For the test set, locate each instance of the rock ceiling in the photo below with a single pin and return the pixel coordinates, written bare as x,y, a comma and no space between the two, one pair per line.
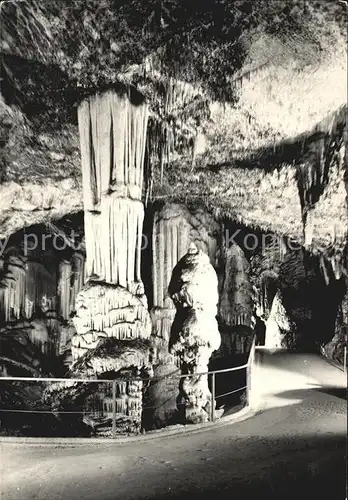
253,130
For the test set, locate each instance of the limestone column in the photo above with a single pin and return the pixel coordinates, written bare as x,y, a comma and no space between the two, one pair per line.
64,288
112,304
194,334
174,228
235,305
277,325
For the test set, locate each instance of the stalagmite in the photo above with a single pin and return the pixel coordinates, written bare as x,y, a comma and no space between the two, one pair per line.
277,324
194,334
112,304
174,227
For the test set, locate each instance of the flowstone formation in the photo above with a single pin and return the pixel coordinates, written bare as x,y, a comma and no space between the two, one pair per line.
174,228
111,309
28,317
194,334
235,305
71,279
278,324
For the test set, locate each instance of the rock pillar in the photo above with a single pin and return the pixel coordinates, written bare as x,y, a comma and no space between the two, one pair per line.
236,305
194,333
112,304
174,228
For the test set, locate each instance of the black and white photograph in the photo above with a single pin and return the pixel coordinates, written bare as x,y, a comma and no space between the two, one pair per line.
173,250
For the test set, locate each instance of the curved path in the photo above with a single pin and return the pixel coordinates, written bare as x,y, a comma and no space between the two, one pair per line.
294,448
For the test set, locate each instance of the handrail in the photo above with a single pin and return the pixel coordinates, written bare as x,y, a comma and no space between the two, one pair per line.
72,381
98,381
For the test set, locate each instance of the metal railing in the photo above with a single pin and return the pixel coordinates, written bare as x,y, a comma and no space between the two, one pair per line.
113,382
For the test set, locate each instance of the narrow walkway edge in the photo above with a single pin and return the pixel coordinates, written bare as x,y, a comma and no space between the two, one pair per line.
239,416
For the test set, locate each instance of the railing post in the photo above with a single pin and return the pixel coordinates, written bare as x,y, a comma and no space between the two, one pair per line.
248,382
345,359
213,397
114,409
249,371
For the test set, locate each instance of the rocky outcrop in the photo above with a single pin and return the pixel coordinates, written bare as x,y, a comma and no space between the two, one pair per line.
13,303
29,203
194,333
160,403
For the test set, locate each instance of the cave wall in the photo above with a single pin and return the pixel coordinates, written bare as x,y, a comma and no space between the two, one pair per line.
299,294
235,311
39,279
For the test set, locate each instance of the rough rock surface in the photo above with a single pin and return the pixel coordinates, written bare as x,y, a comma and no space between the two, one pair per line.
235,304
277,324
107,311
160,401
174,228
28,203
194,334
335,348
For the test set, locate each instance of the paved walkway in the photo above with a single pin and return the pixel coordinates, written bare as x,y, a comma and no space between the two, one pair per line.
293,449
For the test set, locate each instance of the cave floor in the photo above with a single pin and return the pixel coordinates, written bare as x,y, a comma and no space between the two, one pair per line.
294,448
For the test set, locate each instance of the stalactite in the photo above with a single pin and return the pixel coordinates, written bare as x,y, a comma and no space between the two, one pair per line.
324,270
268,289
40,285
39,335
78,265
116,260
13,287
113,134
64,288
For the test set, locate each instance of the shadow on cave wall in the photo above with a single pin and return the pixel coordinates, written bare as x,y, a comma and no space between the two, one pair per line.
312,305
